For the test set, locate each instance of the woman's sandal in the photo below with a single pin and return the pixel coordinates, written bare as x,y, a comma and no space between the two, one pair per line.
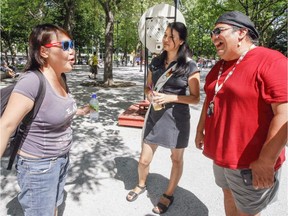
162,208
133,195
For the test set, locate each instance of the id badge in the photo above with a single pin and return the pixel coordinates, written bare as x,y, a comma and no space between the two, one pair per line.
210,109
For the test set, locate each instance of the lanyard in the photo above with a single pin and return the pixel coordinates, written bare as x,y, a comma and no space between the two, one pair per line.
217,86
210,109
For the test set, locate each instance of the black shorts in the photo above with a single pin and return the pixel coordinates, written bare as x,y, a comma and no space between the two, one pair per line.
94,69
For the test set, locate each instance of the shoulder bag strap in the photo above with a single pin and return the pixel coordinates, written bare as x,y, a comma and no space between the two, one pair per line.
159,84
164,78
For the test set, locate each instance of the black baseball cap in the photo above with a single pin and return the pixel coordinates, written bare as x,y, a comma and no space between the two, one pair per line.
239,19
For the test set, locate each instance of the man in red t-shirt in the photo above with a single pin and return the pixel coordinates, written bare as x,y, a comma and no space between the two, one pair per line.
243,116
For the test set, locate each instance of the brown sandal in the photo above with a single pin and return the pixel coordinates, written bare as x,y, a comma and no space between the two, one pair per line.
162,208
135,195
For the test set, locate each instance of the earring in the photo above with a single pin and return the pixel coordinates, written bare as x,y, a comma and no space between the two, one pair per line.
239,44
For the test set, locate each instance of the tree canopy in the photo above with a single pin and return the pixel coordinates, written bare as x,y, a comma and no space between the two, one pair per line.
110,27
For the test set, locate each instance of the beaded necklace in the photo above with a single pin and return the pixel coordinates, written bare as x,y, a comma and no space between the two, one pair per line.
210,109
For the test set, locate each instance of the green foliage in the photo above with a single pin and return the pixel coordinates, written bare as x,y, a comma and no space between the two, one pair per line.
17,20
128,15
200,17
269,16
89,27
86,20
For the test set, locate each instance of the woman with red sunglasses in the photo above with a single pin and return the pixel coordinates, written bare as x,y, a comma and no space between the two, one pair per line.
42,160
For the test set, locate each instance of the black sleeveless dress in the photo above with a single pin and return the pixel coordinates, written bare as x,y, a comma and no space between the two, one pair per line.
170,127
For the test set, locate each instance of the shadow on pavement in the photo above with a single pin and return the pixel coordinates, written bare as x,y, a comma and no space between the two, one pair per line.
99,152
185,202
14,208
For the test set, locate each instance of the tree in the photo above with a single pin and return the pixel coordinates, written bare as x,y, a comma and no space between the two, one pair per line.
109,6
200,17
17,20
88,31
126,13
269,17
83,19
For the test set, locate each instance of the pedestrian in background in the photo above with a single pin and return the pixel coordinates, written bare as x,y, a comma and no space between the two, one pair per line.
168,121
43,157
244,110
93,66
9,72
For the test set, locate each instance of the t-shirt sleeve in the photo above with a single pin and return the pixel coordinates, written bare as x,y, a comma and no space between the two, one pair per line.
192,68
155,63
273,81
28,85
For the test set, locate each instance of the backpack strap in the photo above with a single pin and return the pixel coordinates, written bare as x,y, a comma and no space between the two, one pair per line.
63,75
38,99
15,143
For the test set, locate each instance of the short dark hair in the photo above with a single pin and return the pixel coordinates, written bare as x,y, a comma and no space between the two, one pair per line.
41,35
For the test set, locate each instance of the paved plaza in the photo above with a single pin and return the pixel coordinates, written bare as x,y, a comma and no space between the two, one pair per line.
104,161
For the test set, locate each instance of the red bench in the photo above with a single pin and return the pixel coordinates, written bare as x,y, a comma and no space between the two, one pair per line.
134,115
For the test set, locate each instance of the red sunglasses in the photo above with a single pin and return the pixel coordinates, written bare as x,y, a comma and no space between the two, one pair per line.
65,45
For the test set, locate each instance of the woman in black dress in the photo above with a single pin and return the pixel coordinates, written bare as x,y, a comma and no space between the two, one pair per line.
168,127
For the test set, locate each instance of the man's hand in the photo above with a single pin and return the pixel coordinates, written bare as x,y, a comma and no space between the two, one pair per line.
262,173
199,140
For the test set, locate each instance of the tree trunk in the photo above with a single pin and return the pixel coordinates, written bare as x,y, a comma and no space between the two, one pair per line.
108,64
12,52
108,61
69,23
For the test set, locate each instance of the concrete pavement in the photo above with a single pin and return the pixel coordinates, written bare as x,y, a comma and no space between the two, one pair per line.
104,162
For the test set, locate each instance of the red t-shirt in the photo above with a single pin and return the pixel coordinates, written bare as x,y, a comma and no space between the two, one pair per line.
236,132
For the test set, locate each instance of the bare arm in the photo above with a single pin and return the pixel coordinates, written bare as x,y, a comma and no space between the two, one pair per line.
83,110
263,167
199,139
149,84
18,106
193,98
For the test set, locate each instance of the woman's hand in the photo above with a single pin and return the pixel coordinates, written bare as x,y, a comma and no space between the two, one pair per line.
150,96
84,110
161,98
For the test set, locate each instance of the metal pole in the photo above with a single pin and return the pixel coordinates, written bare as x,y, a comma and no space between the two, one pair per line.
117,48
176,6
146,58
141,46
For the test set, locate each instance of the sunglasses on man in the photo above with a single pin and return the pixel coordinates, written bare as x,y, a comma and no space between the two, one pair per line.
65,45
217,31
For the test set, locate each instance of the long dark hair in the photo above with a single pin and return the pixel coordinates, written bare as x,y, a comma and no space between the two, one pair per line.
41,35
183,52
